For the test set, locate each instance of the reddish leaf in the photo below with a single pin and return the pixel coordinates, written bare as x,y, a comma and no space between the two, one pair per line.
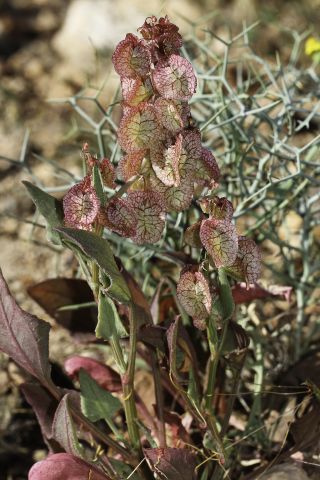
120,217
168,114
105,376
131,58
55,293
218,208
174,78
207,172
172,463
220,239
43,404
81,205
138,128
63,428
247,265
135,91
150,216
108,173
63,466
130,165
242,293
193,293
23,337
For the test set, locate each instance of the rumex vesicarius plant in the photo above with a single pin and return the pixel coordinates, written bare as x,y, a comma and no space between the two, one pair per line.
163,170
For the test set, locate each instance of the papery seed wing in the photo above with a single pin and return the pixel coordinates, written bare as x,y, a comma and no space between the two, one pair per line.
193,293
168,115
219,237
192,235
175,198
108,173
138,128
80,205
191,152
219,208
174,78
247,265
130,165
135,91
207,170
150,216
165,162
131,58
119,216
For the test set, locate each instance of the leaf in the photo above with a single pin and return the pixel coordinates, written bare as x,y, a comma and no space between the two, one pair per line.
138,128
219,237
43,404
81,205
124,470
131,58
109,324
168,114
24,337
194,295
63,428
96,402
49,207
135,91
242,293
247,265
54,293
99,250
119,216
105,376
174,78
63,466
235,345
172,463
150,216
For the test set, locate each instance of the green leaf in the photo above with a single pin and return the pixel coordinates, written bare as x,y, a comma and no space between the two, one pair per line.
50,208
99,250
98,184
123,470
63,428
109,323
96,402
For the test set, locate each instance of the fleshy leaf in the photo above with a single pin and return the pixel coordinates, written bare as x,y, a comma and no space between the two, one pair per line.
150,215
207,171
193,293
104,375
119,216
135,90
63,428
172,463
96,402
100,251
49,207
23,337
168,115
108,173
109,324
218,208
129,165
138,128
174,78
247,265
65,466
219,237
131,58
81,205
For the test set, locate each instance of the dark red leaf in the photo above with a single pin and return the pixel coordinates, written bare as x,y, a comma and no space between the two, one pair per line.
24,337
105,376
242,293
172,463
63,466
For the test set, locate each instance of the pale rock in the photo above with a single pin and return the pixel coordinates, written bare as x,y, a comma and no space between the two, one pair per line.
100,25
285,471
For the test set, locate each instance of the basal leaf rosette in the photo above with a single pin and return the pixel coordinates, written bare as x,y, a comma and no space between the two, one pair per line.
149,214
174,78
219,208
132,58
138,128
81,205
119,216
247,265
220,239
193,293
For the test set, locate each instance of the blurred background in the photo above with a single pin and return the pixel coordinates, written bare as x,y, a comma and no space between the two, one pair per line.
49,51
